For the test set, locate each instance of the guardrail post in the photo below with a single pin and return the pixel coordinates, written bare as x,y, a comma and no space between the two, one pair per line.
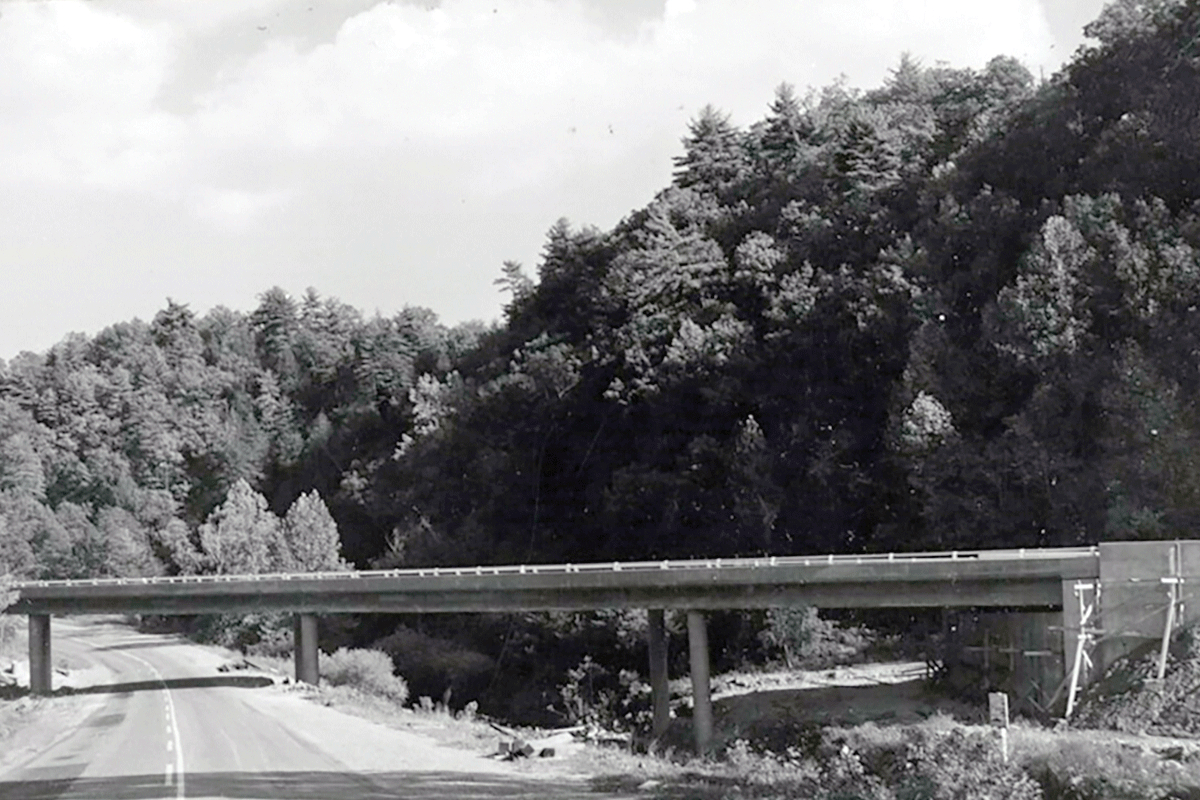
304,649
701,694
659,692
41,670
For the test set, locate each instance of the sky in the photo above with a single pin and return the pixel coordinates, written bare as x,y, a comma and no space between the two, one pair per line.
391,153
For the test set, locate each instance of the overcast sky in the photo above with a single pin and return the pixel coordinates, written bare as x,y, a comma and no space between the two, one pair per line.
390,154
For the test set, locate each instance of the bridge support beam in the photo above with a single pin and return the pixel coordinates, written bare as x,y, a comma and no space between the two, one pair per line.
41,669
659,692
304,649
702,718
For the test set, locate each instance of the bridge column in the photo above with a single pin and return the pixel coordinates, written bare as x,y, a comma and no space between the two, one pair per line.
659,692
701,694
304,649
41,670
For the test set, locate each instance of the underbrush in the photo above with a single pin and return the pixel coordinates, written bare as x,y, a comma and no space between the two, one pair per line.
14,642
436,667
936,760
370,671
1098,765
884,764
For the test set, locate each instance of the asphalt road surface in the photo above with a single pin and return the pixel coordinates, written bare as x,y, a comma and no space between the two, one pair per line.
168,725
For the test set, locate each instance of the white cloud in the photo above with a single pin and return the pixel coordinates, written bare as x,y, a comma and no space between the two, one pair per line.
78,90
357,152
524,89
237,209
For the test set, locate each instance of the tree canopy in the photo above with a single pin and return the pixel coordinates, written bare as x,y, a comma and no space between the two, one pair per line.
956,310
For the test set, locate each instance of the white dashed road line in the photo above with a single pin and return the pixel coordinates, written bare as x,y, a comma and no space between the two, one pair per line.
173,771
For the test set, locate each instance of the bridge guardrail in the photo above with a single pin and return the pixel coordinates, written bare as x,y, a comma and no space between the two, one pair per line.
759,562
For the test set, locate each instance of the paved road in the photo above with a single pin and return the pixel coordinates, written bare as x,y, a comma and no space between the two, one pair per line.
170,726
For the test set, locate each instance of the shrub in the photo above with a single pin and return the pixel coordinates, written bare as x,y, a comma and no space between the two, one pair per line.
1098,770
435,666
241,632
369,671
946,766
883,764
594,695
808,640
273,642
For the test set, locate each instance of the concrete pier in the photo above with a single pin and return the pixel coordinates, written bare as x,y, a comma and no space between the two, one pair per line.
702,717
660,693
304,649
41,668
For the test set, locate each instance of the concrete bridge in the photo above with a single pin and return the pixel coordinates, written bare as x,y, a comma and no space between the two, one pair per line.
1047,580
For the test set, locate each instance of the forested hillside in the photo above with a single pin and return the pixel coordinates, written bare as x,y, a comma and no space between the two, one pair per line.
959,310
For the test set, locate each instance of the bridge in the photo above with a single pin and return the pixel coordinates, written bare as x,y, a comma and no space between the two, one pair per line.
1050,579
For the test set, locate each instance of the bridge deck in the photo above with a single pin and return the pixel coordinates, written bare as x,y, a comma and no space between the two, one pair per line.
999,578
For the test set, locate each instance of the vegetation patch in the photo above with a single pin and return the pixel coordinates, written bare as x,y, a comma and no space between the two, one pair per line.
369,671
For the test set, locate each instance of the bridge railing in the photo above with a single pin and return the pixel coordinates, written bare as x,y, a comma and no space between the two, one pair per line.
759,562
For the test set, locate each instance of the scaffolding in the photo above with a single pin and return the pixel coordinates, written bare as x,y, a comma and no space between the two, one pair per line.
1098,611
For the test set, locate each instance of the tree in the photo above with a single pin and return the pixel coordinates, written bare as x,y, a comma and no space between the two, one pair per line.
243,537
20,468
714,157
127,546
785,131
8,596
276,323
16,556
312,535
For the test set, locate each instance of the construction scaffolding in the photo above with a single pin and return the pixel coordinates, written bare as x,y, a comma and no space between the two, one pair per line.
1044,660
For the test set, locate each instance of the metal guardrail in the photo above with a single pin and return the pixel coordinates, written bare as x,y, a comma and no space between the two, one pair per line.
762,562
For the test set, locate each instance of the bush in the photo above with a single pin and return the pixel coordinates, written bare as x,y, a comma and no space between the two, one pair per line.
243,632
809,641
273,642
594,695
369,671
434,666
1098,770
946,766
914,764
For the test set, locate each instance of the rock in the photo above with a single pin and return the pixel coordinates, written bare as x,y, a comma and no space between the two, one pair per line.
514,749
1171,752
649,786
546,752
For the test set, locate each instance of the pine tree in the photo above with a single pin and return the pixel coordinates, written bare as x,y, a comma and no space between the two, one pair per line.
713,154
312,535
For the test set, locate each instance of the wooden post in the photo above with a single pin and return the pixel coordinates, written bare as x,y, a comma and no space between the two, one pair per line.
701,693
304,649
659,691
1082,661
41,670
1172,581
998,716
